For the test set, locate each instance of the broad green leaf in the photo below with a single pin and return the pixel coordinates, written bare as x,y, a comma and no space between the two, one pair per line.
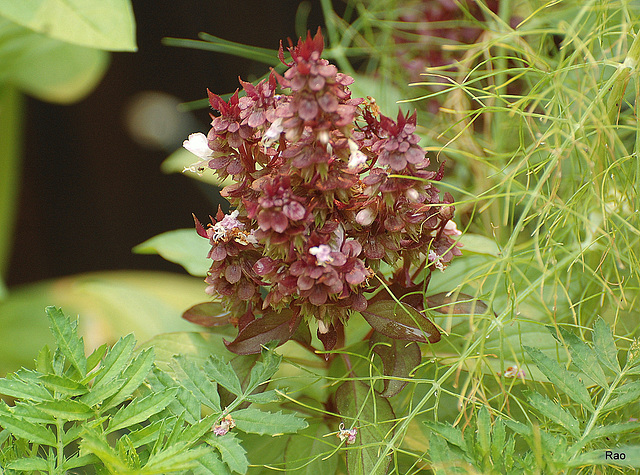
307,450
222,373
63,385
233,454
29,464
67,410
263,422
271,326
399,358
400,321
200,386
208,314
110,304
479,244
26,57
102,24
181,159
33,433
19,389
141,409
210,464
606,349
554,412
177,457
442,458
561,378
451,434
66,335
134,375
583,357
183,247
611,457
629,393
372,416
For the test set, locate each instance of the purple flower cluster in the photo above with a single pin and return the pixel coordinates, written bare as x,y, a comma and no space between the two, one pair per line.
325,190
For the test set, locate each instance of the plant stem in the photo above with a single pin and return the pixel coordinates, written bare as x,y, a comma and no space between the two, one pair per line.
11,120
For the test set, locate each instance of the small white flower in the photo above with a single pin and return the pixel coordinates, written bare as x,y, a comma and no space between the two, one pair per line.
198,145
357,158
450,229
514,372
322,328
436,259
273,133
224,228
349,434
322,253
366,216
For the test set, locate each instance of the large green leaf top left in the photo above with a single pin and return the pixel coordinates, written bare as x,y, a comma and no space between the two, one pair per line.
101,24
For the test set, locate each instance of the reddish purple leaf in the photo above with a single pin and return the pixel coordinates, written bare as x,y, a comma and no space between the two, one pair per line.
398,360
208,314
272,326
402,322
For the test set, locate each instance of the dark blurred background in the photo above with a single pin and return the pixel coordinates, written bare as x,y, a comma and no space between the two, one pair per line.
90,191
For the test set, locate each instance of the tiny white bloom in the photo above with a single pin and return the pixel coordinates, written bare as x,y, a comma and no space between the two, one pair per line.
322,328
198,145
450,229
224,228
322,253
273,133
435,258
356,158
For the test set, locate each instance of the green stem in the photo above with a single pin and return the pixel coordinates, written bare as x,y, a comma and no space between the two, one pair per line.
11,121
60,445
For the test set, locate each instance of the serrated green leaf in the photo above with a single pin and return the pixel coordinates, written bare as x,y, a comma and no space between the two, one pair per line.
43,361
102,392
605,346
614,429
233,454
95,443
63,385
210,464
222,373
34,433
146,435
263,370
27,411
134,375
195,381
79,461
561,378
307,451
19,389
263,422
554,412
197,430
184,401
263,398
96,356
116,360
498,438
440,454
104,24
29,464
67,410
451,434
140,409
583,357
67,339
174,458
372,416
484,431
627,394
183,247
